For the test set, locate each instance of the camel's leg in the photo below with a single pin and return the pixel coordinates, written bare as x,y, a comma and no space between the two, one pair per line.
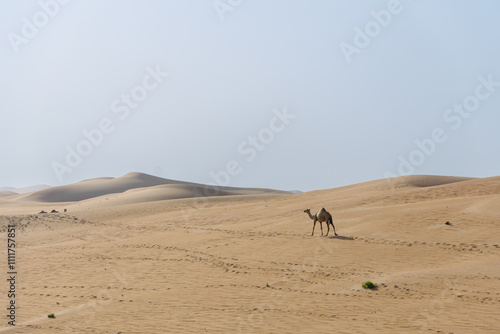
321,225
314,225
331,222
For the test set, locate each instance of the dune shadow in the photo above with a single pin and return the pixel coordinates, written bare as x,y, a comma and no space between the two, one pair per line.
341,237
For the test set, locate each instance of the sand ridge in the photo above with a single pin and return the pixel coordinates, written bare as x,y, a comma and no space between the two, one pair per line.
426,180
163,189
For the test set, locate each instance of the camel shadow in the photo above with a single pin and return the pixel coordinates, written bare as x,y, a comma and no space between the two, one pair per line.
341,237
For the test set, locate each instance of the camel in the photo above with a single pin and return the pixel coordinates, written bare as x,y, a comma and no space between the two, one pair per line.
321,216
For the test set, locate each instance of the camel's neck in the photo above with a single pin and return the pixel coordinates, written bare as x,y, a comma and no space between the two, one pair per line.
311,216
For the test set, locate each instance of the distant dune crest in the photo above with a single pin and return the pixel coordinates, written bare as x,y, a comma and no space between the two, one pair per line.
24,190
421,181
6,193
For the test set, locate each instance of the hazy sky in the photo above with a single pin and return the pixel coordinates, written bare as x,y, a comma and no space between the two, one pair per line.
263,93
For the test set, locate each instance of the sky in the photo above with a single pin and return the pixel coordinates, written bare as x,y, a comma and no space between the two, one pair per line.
291,95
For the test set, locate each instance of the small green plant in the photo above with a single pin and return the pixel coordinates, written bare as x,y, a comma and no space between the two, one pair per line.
51,315
267,285
369,285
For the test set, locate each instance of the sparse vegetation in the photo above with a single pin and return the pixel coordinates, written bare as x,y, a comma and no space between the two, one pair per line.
51,315
267,285
369,285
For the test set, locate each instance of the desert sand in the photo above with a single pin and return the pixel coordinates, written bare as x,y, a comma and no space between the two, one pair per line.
140,254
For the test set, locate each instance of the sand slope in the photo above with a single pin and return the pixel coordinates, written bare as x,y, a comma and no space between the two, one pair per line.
170,192
248,263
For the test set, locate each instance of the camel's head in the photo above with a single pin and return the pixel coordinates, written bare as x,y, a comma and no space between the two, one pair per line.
307,211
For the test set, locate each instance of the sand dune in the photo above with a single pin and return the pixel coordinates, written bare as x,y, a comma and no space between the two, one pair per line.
25,190
141,262
98,187
7,193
